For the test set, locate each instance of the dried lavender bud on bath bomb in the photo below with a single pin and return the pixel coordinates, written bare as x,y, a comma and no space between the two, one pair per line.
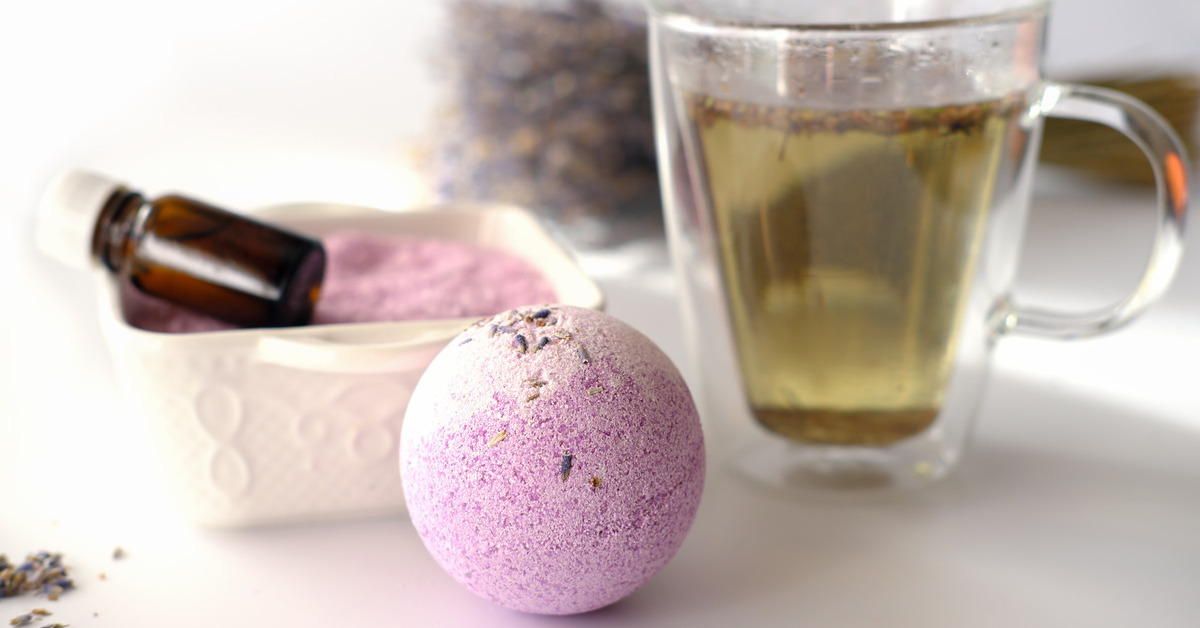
552,477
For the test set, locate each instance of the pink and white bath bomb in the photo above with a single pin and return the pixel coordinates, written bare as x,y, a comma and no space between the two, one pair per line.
552,459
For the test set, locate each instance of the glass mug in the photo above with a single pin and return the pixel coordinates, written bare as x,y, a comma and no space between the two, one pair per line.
845,188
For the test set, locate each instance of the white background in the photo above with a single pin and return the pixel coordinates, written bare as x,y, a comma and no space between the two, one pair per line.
1080,504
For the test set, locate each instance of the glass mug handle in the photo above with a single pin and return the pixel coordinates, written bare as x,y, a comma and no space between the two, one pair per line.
1151,133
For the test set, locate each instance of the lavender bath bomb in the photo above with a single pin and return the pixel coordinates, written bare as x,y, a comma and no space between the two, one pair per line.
552,459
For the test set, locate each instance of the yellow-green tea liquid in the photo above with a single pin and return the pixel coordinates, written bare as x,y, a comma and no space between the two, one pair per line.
848,240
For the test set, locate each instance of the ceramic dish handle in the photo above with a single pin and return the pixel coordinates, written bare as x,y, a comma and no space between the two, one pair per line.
334,356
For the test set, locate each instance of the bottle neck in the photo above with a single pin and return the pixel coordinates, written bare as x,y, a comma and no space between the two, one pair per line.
112,240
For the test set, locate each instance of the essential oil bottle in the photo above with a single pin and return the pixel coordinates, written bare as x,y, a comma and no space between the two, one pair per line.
207,259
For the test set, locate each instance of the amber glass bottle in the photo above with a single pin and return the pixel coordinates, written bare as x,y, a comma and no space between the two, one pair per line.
190,253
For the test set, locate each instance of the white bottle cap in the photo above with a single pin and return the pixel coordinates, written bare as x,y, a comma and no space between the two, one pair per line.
66,218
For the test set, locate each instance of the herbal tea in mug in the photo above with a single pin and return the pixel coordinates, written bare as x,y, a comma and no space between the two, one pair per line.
848,238
845,205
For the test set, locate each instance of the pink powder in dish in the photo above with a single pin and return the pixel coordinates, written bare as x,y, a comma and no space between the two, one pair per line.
374,278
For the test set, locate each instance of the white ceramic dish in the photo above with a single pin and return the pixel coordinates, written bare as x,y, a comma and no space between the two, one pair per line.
257,426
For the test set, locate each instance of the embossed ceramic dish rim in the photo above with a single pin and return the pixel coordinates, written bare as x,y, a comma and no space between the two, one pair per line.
380,346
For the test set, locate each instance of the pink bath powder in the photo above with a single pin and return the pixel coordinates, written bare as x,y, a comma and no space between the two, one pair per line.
370,278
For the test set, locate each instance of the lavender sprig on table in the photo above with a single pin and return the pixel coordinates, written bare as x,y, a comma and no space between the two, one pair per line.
41,572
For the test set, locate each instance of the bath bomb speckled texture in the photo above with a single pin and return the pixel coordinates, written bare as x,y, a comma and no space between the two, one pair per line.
552,459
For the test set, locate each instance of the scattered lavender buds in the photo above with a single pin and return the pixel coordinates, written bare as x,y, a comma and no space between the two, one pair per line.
518,321
42,572
528,321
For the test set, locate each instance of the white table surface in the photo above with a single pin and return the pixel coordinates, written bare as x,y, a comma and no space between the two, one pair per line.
1079,504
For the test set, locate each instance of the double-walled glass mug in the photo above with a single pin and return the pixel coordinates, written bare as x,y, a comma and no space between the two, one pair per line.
845,188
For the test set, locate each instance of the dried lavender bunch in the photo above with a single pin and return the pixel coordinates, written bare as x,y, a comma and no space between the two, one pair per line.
41,572
552,109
